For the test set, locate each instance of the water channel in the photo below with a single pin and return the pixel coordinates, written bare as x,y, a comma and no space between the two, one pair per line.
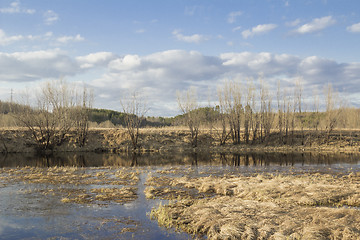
26,212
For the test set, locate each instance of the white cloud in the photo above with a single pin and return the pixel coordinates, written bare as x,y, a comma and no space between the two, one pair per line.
48,36
233,16
31,66
195,38
294,23
95,59
259,29
50,17
236,28
126,63
316,25
16,8
66,39
6,40
160,74
355,28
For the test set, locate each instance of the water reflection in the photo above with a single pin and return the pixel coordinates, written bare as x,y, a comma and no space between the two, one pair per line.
195,159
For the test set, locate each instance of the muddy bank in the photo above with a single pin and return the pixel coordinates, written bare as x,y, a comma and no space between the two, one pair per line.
178,140
259,206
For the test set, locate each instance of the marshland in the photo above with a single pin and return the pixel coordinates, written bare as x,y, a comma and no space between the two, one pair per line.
242,169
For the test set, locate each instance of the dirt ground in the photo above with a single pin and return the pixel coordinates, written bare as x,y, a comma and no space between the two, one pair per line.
259,206
178,140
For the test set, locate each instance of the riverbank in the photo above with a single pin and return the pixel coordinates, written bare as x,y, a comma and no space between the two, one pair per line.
178,140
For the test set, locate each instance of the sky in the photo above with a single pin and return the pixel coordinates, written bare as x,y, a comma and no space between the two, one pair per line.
159,47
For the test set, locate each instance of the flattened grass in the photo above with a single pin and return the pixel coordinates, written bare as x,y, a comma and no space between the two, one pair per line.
267,206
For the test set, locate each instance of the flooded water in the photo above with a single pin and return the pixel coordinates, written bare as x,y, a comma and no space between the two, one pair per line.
64,196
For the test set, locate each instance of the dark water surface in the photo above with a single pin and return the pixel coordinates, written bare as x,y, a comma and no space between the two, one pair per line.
26,213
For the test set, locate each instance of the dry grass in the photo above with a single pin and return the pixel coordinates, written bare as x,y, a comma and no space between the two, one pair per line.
74,185
165,188
265,206
306,189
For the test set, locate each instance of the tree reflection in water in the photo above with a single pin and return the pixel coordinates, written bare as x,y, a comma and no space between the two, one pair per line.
193,159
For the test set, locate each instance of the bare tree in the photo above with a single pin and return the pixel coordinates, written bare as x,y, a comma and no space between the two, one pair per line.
134,109
49,121
280,106
222,108
248,112
298,103
331,112
287,114
265,112
236,112
256,120
80,115
188,105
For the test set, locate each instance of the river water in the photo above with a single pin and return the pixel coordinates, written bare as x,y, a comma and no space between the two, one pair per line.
27,213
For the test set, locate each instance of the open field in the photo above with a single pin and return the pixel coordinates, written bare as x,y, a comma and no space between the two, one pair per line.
178,139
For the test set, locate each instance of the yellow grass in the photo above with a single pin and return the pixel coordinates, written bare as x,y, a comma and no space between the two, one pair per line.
73,185
266,206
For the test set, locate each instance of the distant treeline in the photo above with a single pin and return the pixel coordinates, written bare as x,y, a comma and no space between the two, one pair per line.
116,118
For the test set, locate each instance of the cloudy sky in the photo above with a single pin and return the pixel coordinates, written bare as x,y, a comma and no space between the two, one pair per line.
161,46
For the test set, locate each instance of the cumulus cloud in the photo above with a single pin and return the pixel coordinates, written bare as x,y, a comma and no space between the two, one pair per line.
355,28
257,30
95,59
66,39
195,38
233,16
50,17
316,25
15,7
159,75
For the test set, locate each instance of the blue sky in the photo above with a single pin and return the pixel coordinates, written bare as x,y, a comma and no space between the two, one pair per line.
159,47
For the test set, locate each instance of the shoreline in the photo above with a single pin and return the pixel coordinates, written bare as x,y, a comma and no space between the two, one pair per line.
167,140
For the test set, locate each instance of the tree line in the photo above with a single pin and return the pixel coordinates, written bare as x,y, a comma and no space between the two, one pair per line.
241,114
249,115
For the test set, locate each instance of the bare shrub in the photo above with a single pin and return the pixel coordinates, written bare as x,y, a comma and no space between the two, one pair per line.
54,114
135,109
